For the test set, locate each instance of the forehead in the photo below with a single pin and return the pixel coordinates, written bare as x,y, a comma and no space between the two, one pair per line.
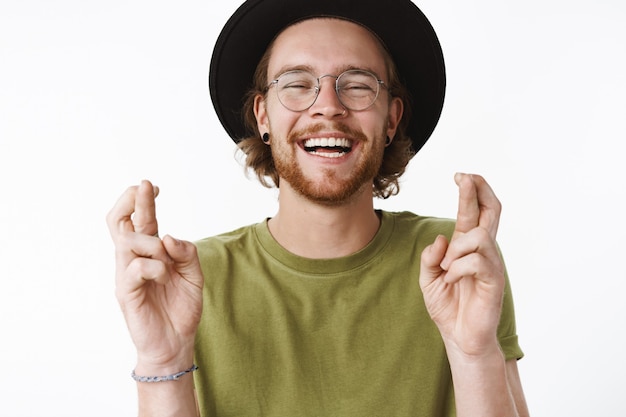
327,45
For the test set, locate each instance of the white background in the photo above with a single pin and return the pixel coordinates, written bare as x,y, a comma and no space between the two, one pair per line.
95,96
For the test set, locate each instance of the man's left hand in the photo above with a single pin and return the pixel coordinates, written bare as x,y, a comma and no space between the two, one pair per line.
463,280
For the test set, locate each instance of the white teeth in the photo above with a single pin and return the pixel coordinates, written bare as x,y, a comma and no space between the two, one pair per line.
328,154
327,143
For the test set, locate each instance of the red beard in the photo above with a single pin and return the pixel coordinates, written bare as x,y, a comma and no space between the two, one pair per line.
332,190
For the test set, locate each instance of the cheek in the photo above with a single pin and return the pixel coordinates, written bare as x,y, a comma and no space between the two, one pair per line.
374,124
280,119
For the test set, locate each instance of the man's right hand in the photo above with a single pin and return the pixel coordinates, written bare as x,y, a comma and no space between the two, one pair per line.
158,284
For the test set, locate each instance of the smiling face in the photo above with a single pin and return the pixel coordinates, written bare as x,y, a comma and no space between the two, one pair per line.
327,153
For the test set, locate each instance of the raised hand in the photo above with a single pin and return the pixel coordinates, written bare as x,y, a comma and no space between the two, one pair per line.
463,280
158,284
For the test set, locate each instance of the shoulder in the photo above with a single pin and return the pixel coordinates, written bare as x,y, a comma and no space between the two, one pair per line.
237,239
411,233
406,222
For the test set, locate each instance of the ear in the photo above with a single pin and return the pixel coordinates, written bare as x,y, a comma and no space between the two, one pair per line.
260,113
396,109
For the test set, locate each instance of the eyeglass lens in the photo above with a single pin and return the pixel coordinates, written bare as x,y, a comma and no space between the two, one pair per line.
356,89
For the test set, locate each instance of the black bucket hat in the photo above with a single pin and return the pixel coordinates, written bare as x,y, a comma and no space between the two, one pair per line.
400,25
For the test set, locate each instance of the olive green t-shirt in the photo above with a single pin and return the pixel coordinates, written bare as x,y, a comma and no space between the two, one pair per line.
282,335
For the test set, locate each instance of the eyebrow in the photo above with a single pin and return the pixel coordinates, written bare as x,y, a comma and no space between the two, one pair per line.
288,68
309,69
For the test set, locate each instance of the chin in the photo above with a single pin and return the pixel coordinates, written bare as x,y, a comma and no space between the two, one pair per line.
333,192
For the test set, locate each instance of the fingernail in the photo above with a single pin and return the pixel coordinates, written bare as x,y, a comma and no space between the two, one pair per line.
445,264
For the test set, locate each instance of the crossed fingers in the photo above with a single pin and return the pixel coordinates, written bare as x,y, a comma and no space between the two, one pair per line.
478,205
133,226
472,251
135,211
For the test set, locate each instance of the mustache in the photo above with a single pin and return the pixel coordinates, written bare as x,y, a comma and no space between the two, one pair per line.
351,133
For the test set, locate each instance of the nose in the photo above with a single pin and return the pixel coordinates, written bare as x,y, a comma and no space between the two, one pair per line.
327,102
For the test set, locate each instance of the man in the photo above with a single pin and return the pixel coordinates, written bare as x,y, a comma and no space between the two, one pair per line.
328,308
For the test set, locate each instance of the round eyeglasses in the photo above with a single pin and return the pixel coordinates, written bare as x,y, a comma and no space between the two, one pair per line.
356,89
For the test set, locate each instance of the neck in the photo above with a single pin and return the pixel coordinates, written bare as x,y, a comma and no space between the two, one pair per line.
318,231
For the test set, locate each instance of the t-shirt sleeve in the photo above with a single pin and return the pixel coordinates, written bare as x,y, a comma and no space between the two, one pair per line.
507,331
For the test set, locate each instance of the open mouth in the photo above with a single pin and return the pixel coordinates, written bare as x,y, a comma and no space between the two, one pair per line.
328,147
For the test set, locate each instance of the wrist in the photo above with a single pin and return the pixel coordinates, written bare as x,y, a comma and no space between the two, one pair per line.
474,354
163,378
164,365
480,382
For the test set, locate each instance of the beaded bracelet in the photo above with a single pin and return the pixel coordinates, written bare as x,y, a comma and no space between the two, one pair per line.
173,377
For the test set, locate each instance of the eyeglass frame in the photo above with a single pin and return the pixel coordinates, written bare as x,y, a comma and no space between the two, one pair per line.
318,87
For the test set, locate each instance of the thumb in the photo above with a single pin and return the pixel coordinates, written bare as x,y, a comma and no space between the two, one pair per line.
185,257
430,267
